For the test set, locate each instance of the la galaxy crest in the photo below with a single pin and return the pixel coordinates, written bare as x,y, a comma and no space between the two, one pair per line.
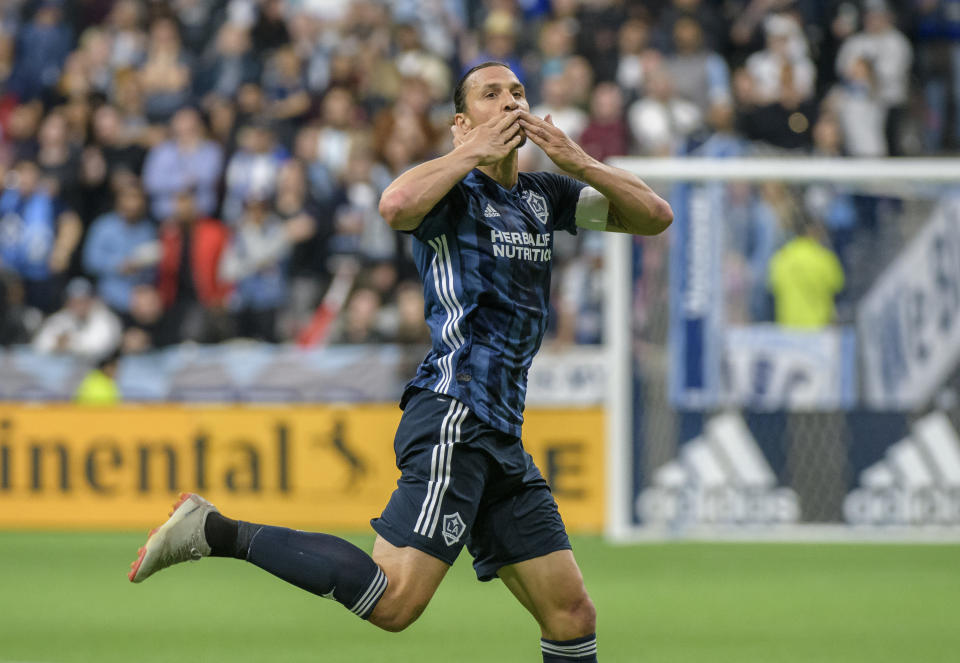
453,528
537,205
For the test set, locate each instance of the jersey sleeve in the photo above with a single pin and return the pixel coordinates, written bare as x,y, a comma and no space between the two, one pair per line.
443,216
564,192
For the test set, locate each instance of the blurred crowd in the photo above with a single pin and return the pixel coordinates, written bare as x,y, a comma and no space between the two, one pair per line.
200,170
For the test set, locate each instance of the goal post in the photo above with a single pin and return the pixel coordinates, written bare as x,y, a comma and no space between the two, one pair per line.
741,429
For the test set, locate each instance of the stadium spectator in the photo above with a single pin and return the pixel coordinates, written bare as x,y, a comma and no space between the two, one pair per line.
193,295
833,205
128,98
59,160
253,167
580,80
120,249
18,322
774,90
338,129
579,310
187,159
20,132
938,64
270,30
129,41
859,110
606,133
661,121
556,44
704,14
636,57
307,269
597,36
43,44
699,75
359,323
723,140
321,181
230,64
84,327
409,327
144,324
255,261
197,20
889,54
499,37
37,236
409,121
8,47
95,50
782,73
360,230
120,153
166,74
285,91
414,61
99,385
805,277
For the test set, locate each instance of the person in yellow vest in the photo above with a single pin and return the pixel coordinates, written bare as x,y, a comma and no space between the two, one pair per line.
99,387
805,276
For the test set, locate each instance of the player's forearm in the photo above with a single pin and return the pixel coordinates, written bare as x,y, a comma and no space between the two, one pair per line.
634,207
412,195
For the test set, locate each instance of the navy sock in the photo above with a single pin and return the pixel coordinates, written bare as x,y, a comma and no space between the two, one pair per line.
325,565
579,649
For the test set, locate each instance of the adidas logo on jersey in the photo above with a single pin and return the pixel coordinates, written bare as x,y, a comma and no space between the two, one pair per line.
917,482
720,477
490,212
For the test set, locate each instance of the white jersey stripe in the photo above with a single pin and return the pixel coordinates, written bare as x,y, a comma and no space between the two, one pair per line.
434,467
443,473
453,290
430,485
462,414
436,279
438,266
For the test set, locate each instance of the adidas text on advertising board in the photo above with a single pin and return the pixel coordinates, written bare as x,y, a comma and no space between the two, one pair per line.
719,478
917,482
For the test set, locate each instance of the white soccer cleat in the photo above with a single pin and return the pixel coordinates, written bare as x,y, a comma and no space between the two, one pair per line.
180,539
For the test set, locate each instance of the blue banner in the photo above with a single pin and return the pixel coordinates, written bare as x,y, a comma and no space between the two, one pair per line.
696,295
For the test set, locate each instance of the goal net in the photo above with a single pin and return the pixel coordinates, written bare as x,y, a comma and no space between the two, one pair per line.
740,406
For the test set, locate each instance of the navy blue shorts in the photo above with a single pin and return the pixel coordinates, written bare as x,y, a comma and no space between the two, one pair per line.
462,482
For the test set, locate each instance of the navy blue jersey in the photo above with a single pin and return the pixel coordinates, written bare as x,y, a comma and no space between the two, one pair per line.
485,253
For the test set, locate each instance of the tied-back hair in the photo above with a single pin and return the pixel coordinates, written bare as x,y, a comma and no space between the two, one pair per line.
460,92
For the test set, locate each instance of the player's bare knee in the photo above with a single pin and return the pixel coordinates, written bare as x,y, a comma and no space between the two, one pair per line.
584,615
396,616
573,618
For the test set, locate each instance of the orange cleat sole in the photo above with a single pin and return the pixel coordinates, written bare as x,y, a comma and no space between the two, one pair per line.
135,565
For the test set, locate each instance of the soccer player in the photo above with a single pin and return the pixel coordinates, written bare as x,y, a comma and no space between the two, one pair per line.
483,241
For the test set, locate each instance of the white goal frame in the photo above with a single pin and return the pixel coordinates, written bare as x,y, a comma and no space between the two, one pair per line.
887,173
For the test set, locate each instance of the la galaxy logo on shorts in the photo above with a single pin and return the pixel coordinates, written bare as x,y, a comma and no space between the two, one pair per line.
537,204
453,528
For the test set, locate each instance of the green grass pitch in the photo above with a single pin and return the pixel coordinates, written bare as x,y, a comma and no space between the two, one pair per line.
65,598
